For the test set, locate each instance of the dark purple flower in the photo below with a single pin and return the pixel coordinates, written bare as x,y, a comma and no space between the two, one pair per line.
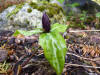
46,23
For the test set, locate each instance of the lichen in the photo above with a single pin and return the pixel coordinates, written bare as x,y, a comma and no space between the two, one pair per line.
17,9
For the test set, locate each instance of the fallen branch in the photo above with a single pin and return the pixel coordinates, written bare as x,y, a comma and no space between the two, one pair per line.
75,31
77,65
83,58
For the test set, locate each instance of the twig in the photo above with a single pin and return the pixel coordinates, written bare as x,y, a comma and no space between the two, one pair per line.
77,65
89,59
26,62
84,31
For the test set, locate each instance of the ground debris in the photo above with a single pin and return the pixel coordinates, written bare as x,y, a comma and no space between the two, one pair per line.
82,57
3,54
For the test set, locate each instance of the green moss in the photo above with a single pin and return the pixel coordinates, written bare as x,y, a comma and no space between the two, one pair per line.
29,10
45,2
41,8
51,9
49,14
11,18
17,9
27,22
33,4
54,5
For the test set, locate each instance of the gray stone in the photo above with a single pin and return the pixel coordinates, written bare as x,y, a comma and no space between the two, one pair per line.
20,19
25,20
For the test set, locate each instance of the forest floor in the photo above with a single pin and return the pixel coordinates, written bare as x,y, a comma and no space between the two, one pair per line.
23,56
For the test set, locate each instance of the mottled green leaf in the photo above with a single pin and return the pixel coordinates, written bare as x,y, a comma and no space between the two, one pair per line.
54,49
58,27
27,33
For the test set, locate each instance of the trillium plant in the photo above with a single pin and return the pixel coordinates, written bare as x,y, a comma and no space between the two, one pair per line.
51,41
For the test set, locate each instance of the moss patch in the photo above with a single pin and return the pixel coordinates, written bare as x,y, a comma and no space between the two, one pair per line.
17,9
54,11
29,10
33,4
51,9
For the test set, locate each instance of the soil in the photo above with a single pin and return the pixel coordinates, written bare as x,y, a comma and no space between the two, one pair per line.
26,56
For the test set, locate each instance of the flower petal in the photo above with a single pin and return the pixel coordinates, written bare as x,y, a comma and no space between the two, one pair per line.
46,22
